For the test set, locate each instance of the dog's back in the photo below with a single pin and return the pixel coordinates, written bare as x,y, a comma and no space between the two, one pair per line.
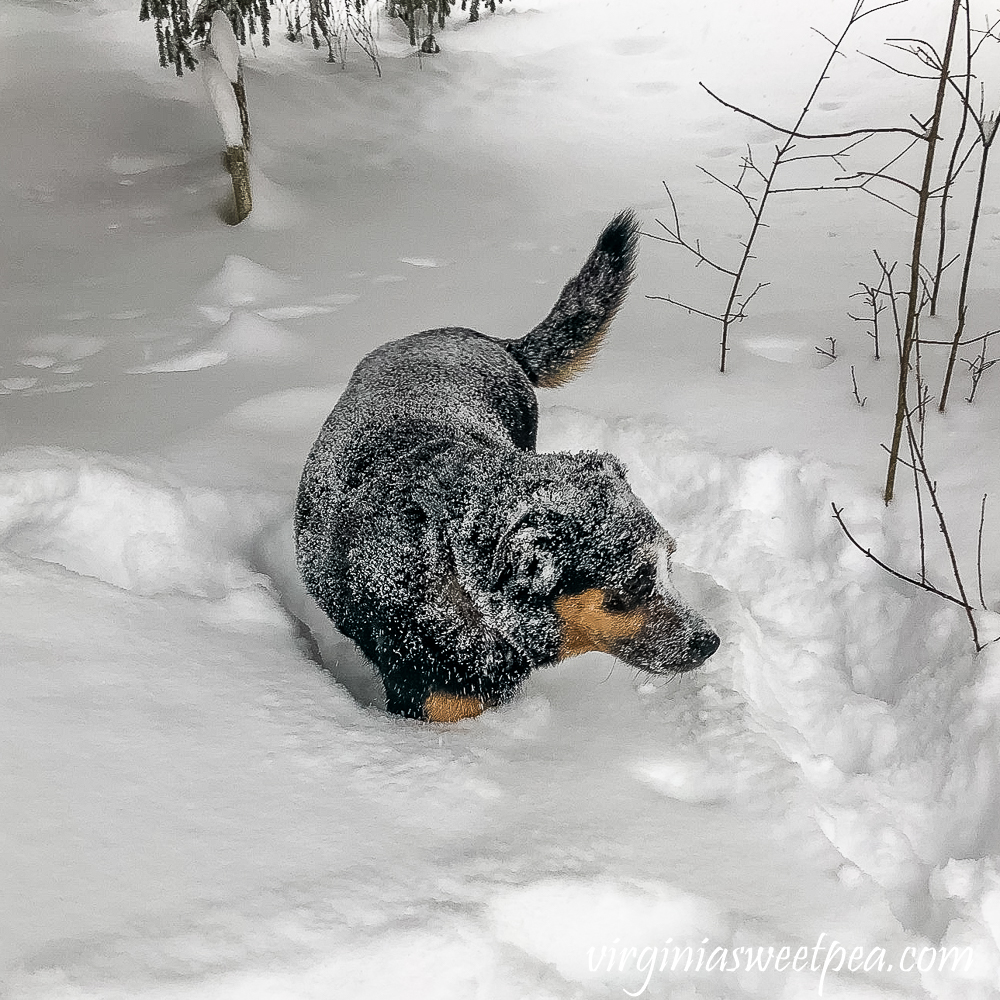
462,383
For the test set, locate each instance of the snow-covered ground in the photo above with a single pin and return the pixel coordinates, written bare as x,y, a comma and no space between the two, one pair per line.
192,807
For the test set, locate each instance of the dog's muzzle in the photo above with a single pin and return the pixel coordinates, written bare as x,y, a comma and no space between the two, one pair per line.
661,636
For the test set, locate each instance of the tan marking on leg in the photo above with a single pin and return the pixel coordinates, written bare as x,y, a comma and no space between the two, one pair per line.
587,626
443,707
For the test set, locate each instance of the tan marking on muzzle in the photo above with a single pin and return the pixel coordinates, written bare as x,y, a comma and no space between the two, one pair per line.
588,627
443,707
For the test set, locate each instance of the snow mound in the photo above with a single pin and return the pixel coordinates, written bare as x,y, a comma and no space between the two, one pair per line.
867,684
242,282
121,523
250,337
275,208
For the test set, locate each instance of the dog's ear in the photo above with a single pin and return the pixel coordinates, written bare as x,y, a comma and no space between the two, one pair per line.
526,555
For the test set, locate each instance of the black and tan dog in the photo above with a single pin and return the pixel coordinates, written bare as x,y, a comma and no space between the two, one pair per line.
456,557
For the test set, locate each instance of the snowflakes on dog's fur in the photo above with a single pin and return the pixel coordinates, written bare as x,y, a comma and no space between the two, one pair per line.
434,536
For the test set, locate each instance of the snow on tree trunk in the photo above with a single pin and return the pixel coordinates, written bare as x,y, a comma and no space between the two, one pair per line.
220,90
227,51
225,46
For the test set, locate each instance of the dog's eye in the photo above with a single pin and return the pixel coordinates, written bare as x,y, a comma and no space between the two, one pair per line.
633,594
618,603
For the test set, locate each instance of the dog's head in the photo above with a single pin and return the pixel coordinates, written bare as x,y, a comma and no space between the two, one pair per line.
581,544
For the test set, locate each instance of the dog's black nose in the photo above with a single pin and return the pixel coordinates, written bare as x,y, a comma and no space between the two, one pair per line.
703,645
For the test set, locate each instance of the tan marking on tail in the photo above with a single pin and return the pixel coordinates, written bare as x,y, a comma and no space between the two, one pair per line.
580,362
588,627
443,707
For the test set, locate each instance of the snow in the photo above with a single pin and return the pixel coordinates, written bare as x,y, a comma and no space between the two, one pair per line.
225,46
220,92
199,796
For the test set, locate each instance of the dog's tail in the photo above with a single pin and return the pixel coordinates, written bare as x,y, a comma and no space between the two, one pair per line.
565,342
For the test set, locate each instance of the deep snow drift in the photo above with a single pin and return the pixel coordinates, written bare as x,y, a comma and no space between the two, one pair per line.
192,806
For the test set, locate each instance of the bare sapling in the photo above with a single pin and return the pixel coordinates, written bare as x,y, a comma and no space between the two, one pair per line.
738,296
828,352
979,365
925,487
987,128
955,164
857,395
361,26
914,295
872,297
929,486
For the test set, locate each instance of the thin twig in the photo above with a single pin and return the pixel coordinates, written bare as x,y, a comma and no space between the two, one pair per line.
838,514
857,395
932,492
832,353
795,134
684,305
979,553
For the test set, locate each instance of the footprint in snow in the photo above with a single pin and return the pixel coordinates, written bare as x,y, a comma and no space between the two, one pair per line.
128,166
67,346
31,387
54,354
424,262
788,350
8,385
295,312
190,362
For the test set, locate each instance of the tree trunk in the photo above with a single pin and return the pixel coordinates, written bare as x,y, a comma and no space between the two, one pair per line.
241,103
236,164
913,301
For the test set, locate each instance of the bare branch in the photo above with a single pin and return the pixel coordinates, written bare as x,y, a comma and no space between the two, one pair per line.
735,188
932,492
857,395
965,343
897,70
858,14
923,585
791,133
685,306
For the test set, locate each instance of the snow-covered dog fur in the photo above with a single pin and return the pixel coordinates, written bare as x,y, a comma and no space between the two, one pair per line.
456,557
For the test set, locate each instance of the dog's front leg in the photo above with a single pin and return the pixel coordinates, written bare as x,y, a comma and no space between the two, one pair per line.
443,707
